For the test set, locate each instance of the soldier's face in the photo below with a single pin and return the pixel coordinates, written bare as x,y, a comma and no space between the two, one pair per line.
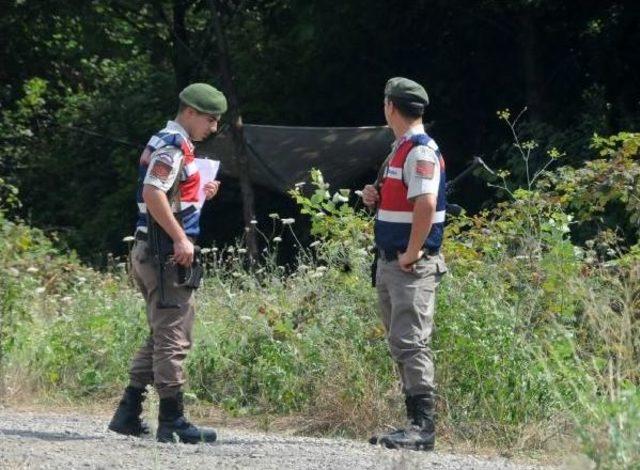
203,125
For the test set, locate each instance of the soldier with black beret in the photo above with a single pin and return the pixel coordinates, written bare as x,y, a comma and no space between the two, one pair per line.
169,209
409,197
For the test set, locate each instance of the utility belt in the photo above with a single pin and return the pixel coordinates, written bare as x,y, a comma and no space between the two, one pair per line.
140,235
161,247
393,255
390,256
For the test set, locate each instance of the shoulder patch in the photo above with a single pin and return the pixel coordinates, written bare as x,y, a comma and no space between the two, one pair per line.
425,169
161,170
163,161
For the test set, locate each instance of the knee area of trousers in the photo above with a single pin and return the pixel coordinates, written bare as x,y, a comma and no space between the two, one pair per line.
404,351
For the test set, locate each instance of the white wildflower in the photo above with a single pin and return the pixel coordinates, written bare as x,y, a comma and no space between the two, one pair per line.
300,184
40,290
277,239
253,222
314,244
242,250
578,252
81,279
274,215
214,249
32,269
204,251
231,249
337,197
358,192
128,239
288,221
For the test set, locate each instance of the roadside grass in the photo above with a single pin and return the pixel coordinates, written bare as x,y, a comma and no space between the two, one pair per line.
308,343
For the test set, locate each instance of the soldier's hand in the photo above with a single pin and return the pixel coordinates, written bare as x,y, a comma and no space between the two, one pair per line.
370,195
407,261
183,252
211,189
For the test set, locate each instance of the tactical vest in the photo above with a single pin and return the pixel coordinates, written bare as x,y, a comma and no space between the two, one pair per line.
187,211
395,212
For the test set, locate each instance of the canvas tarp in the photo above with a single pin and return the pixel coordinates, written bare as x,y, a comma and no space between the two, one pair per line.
281,156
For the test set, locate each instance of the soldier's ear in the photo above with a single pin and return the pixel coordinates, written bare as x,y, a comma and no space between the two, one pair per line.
189,112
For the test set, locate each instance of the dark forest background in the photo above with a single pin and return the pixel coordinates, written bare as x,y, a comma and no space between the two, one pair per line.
84,83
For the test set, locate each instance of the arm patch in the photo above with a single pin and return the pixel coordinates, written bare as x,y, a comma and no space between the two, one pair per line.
425,169
160,170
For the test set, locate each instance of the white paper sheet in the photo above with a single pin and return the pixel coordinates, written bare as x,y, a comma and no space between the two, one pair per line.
208,171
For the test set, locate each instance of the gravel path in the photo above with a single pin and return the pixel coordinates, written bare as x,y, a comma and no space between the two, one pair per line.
53,441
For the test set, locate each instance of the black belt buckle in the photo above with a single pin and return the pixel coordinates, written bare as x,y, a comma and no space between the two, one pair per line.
393,256
144,237
387,255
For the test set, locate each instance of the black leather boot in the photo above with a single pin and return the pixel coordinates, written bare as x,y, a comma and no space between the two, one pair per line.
126,420
421,432
173,426
408,403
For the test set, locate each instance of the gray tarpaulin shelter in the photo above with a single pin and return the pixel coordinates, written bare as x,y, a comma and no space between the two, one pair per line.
281,156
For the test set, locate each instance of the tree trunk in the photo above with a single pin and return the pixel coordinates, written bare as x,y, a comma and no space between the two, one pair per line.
240,147
181,62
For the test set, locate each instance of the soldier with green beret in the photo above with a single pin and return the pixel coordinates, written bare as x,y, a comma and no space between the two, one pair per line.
169,216
409,198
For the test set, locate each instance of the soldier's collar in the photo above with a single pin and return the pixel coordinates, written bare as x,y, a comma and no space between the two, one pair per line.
173,126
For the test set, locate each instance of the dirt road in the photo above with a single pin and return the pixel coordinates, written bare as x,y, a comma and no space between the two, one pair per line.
54,441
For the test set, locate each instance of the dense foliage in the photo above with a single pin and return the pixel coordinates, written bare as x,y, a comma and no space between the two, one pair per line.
84,83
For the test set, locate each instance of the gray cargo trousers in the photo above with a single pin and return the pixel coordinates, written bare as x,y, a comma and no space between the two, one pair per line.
407,306
159,361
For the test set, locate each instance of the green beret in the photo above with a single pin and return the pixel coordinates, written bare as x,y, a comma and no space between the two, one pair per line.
204,98
406,90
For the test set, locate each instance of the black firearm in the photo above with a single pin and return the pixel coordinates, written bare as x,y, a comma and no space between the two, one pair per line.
162,249
455,209
191,276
